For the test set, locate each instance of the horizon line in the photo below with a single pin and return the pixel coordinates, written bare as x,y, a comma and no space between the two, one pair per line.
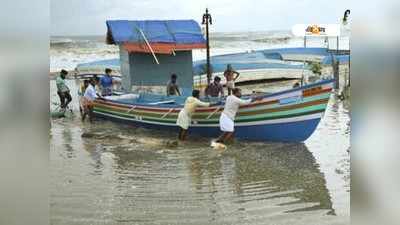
249,31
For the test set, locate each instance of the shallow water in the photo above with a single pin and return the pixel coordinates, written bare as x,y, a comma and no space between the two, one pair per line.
107,173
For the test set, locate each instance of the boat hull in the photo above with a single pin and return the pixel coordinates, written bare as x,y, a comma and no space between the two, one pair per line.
288,116
297,131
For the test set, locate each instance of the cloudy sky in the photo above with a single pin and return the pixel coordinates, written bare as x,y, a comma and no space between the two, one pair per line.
87,17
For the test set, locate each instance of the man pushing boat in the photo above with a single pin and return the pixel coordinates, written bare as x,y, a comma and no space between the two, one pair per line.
185,115
226,121
88,100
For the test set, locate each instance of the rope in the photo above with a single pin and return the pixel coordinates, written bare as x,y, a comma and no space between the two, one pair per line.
131,109
167,113
211,114
148,44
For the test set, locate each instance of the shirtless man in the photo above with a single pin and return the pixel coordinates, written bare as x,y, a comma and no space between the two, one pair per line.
230,78
172,86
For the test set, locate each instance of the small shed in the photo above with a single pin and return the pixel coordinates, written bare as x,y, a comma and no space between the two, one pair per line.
152,50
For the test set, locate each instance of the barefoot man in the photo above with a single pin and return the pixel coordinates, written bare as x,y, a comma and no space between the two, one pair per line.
63,90
185,115
226,121
230,78
88,100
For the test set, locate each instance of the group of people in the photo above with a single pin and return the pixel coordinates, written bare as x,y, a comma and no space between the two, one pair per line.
226,120
214,89
88,92
90,88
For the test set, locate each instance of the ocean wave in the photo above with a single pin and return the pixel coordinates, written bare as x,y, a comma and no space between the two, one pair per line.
249,36
60,41
76,42
274,40
67,51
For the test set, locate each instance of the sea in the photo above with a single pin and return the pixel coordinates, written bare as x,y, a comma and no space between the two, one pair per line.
118,174
66,52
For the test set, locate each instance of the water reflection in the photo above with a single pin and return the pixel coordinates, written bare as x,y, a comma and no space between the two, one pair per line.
195,184
67,139
257,172
106,173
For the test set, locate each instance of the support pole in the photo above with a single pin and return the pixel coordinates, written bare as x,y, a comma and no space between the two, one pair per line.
337,44
148,44
335,70
304,63
349,62
345,22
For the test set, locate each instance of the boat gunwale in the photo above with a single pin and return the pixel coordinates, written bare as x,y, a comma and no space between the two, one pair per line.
165,108
173,115
207,122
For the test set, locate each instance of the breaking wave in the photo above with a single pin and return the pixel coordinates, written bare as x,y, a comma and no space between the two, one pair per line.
274,40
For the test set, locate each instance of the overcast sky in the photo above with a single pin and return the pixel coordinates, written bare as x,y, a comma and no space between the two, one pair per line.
87,17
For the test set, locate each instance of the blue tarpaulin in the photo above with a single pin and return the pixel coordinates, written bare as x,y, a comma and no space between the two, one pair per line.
99,66
156,31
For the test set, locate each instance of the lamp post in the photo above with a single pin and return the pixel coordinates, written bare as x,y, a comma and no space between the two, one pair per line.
207,20
345,22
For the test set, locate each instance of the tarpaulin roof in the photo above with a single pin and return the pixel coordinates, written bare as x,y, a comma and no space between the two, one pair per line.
164,36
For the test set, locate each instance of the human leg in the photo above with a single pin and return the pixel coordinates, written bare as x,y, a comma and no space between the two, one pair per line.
68,97
90,113
227,126
183,122
84,115
225,136
182,134
62,99
85,109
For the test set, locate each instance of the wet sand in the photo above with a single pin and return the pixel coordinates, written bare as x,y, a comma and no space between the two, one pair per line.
108,173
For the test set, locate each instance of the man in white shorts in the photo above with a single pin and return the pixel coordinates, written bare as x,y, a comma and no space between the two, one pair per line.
226,121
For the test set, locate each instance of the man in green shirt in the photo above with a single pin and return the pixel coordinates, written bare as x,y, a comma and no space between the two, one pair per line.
63,90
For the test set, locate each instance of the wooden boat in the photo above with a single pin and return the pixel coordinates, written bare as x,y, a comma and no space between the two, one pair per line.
286,116
152,50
